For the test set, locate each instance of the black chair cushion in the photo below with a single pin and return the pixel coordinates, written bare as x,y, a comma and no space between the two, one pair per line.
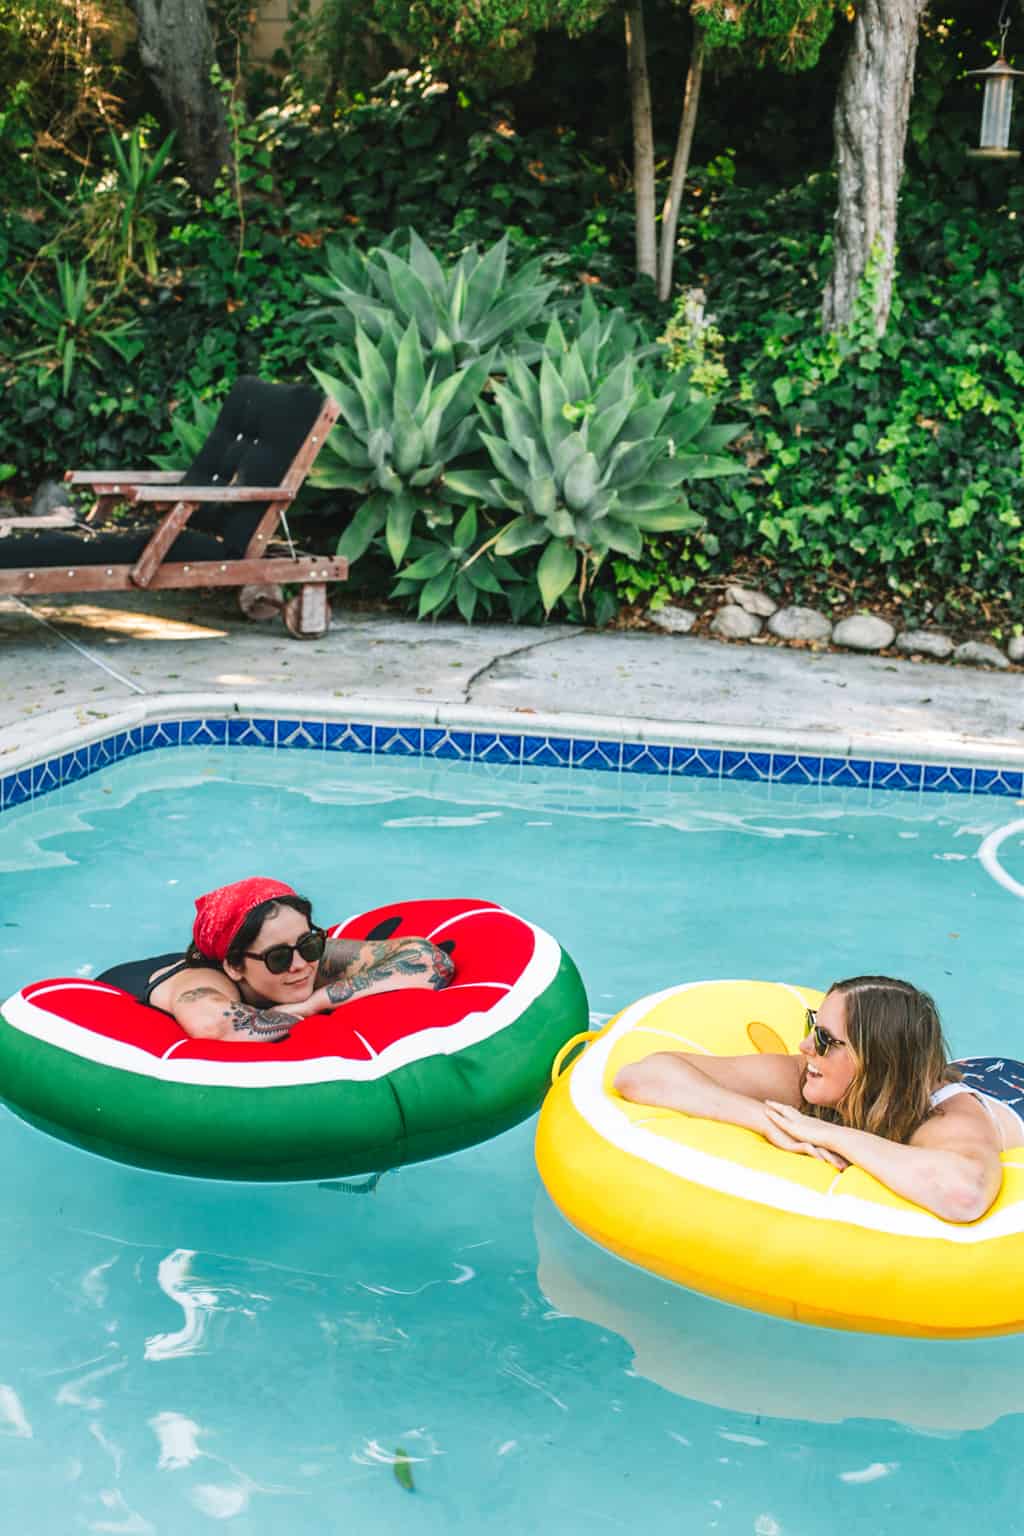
31,551
254,440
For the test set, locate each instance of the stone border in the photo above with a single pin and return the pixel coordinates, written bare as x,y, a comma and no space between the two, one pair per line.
747,613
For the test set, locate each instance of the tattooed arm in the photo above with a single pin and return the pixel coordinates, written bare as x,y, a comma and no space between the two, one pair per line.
350,969
208,1006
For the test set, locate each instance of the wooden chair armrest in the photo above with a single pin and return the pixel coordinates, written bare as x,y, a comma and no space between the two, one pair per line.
123,476
150,493
62,517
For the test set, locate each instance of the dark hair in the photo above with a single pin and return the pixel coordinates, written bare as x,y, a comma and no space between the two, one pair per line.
249,931
896,1038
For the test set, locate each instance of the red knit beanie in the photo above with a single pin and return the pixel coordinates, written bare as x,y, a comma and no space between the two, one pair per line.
220,913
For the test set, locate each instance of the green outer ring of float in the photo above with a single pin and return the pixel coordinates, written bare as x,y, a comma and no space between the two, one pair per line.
312,1131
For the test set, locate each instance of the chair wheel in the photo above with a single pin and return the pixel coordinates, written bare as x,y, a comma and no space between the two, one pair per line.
307,615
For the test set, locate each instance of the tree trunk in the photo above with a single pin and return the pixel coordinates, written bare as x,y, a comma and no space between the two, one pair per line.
643,139
680,164
176,50
870,125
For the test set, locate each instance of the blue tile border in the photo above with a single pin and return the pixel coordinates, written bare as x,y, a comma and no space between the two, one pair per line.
504,751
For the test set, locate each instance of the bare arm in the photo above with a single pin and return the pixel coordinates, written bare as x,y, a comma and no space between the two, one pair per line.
728,1088
350,969
950,1165
207,1005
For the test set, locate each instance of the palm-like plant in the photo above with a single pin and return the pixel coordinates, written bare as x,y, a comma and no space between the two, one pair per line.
587,464
400,425
74,325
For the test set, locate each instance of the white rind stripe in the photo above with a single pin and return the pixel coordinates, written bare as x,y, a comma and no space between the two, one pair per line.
603,1115
447,1040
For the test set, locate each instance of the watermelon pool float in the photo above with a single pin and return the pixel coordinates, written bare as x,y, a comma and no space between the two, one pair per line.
382,1080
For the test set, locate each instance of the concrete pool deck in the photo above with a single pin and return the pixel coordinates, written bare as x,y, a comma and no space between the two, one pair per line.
72,667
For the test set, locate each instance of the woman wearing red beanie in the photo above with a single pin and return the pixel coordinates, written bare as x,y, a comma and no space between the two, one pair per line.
257,965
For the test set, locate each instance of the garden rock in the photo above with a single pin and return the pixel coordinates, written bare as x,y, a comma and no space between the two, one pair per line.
977,654
51,496
1015,648
863,632
924,642
758,603
673,619
799,624
734,623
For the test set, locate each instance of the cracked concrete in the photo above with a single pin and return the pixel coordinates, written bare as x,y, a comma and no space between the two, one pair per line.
66,663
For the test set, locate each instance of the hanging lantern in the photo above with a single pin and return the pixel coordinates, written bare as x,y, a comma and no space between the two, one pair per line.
997,104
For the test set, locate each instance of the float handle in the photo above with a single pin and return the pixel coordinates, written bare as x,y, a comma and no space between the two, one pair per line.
570,1045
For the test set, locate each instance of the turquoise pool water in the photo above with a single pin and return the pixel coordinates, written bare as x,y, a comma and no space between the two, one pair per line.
175,1354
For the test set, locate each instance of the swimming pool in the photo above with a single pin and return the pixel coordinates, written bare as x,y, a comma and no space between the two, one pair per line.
177,1353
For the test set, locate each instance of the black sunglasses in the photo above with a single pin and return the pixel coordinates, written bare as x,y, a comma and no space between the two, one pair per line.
278,958
823,1041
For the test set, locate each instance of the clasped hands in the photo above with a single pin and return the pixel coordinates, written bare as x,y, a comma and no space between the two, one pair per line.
792,1131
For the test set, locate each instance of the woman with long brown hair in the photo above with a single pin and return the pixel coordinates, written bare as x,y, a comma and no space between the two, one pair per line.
872,1085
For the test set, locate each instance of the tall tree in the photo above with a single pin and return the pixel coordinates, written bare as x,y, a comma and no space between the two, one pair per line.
787,33
872,110
176,50
643,139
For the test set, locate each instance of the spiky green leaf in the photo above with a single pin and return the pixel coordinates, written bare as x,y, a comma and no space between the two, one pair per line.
581,482
555,570
398,530
365,525
521,533
436,591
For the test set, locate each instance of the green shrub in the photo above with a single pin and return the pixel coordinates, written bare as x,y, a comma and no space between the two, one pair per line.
470,310
399,430
588,460
894,462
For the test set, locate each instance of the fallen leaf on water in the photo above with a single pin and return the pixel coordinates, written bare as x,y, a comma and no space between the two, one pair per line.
403,1470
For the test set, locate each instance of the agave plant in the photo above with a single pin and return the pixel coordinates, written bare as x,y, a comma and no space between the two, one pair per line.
604,337
587,465
399,427
462,313
444,570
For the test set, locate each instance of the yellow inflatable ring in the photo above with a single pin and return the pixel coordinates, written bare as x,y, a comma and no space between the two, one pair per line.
718,1209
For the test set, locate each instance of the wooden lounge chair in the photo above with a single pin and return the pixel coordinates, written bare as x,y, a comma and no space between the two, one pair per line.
218,516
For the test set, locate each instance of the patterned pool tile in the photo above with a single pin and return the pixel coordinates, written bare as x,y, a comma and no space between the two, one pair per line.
398,740
746,765
348,737
497,747
605,756
788,768
998,781
947,781
204,733
455,746
504,753
697,762
889,775
846,772
162,733
637,757
243,732
546,751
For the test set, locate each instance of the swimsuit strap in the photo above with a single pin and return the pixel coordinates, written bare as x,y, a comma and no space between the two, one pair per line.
950,1090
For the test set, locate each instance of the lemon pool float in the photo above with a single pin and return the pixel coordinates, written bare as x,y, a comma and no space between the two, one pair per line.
719,1209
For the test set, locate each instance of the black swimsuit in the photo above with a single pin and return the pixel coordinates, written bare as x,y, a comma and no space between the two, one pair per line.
134,976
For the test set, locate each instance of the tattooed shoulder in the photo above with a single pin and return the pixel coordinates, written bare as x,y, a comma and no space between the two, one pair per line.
194,994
